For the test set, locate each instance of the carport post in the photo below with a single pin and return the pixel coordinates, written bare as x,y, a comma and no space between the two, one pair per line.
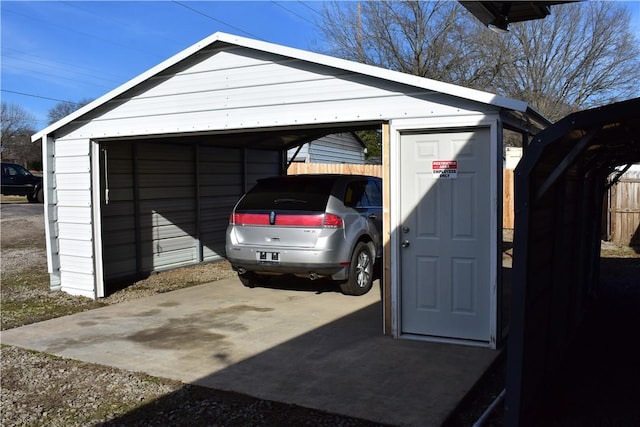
136,206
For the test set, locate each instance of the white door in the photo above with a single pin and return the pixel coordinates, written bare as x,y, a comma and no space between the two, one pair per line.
446,211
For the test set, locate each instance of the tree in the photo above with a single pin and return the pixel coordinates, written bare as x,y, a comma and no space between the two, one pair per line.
412,37
583,55
373,141
64,108
17,125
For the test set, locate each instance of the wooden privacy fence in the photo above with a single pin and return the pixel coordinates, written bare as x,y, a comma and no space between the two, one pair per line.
376,170
623,216
341,168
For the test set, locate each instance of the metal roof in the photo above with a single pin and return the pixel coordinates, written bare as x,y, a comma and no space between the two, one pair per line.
512,11
560,183
220,40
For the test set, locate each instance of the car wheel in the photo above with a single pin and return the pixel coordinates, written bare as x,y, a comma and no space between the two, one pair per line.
32,198
251,280
40,196
360,271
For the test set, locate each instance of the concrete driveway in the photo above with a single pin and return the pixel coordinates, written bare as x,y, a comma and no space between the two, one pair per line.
319,350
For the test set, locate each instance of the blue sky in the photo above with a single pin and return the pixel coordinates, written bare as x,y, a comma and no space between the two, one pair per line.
71,50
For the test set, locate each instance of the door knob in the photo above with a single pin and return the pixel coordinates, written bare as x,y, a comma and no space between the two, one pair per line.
405,243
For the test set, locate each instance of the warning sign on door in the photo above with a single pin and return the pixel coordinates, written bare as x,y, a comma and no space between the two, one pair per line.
445,169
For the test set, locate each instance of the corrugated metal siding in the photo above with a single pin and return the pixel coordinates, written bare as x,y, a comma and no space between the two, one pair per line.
118,211
185,194
167,205
73,216
261,164
220,186
241,88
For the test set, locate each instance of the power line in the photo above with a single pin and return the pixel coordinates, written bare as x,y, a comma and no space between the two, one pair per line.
65,66
50,24
294,13
38,96
216,20
309,7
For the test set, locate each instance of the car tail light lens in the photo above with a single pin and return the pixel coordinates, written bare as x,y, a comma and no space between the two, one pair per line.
299,220
332,221
249,219
288,220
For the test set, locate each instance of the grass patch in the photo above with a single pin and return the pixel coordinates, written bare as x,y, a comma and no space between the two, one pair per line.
25,298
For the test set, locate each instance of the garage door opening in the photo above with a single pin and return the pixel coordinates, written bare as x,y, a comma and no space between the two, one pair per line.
165,203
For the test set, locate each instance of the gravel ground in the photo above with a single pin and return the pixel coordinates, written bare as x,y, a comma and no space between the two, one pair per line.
43,390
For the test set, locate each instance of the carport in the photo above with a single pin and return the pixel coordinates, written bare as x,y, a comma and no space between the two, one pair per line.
143,179
560,183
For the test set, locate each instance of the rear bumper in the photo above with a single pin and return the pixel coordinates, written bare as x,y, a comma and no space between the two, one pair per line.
295,262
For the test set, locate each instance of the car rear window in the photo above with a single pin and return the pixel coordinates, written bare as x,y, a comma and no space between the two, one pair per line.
299,194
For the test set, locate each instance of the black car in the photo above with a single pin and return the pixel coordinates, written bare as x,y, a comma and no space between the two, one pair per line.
18,181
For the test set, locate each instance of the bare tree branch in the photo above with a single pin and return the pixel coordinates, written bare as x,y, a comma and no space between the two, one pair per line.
582,55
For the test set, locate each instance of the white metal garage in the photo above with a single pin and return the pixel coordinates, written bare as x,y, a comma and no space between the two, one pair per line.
143,178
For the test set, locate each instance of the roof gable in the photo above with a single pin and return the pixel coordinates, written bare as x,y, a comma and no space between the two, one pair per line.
222,40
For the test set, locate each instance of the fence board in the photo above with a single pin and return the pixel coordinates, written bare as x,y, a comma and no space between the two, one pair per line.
508,199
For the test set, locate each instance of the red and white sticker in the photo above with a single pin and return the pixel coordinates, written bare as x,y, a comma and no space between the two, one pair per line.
444,169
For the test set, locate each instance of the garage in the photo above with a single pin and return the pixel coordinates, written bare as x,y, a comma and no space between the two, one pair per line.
143,179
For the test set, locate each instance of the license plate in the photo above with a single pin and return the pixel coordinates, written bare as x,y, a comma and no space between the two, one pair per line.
268,257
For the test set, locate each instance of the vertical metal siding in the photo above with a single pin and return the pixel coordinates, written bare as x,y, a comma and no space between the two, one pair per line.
167,200
182,217
118,221
261,164
220,184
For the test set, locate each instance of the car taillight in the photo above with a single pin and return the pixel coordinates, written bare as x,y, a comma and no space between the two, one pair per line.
288,220
332,221
299,220
249,219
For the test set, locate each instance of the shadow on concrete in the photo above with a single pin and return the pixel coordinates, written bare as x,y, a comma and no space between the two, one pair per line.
346,367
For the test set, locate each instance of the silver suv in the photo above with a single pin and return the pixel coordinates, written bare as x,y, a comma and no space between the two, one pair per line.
308,226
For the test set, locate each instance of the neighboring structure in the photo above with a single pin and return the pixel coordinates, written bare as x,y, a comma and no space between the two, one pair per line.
343,147
143,178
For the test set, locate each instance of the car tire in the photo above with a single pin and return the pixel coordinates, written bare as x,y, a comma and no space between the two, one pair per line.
32,198
40,196
360,271
251,280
